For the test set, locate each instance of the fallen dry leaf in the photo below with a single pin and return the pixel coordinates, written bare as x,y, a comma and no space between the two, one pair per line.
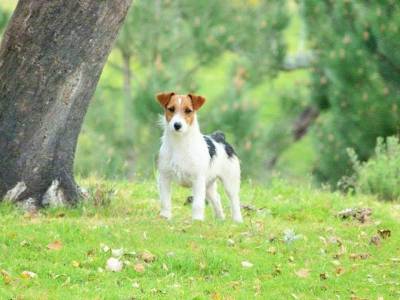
76,264
359,255
303,273
323,276
56,245
342,250
139,268
339,271
6,276
272,238
28,274
246,264
114,265
360,214
148,257
277,271
248,207
216,296
376,240
384,233
24,243
165,267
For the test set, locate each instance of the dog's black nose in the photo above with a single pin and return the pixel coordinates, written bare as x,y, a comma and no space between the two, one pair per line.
177,126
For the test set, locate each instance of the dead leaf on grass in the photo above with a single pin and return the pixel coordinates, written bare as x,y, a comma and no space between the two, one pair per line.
148,257
216,296
360,214
323,276
165,267
303,273
277,271
359,255
248,207
28,275
376,240
339,271
76,264
139,268
6,276
384,233
56,245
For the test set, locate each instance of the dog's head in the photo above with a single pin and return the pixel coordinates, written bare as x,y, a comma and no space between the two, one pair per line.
180,110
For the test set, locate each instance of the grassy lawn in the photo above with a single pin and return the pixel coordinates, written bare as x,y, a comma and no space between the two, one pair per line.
329,258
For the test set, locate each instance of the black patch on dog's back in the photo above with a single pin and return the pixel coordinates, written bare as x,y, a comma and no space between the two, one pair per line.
219,137
211,147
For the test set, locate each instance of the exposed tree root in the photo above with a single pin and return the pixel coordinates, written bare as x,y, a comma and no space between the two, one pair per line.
55,196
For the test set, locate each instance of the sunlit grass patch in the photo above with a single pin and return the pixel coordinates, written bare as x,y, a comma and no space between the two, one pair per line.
291,245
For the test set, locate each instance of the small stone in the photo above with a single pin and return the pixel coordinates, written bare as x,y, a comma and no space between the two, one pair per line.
247,264
114,265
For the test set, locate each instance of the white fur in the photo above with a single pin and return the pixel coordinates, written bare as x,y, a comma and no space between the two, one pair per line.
184,158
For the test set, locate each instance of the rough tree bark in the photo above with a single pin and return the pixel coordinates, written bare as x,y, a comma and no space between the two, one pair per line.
51,58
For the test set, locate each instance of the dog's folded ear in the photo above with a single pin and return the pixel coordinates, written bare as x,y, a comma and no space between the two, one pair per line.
163,98
197,101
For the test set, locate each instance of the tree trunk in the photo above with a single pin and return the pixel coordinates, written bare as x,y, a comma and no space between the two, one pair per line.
51,58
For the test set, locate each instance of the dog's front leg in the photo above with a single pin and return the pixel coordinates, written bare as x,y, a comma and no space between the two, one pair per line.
164,188
199,195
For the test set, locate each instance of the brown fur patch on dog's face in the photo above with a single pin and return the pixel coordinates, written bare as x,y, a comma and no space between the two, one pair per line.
184,105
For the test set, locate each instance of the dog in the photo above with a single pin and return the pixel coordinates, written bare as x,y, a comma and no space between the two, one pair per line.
195,160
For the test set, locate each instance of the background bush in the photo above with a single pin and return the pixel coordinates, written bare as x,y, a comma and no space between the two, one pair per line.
380,175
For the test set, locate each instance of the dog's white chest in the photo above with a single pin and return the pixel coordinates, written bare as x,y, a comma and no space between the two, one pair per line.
184,163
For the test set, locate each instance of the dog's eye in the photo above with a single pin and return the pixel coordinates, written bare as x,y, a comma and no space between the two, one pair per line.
188,111
171,109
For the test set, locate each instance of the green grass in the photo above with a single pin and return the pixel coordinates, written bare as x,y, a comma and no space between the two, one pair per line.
195,260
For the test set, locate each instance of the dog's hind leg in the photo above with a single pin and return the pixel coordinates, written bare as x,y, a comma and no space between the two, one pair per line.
199,197
231,181
213,196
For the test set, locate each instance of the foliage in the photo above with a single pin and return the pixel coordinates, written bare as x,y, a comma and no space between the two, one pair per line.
355,78
297,247
380,175
165,45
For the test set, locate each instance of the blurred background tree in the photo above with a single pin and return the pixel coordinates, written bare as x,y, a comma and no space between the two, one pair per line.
167,45
355,79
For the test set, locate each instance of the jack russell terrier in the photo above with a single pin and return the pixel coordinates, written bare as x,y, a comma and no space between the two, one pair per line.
195,160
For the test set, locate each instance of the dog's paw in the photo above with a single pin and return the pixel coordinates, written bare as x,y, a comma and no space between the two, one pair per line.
198,217
238,219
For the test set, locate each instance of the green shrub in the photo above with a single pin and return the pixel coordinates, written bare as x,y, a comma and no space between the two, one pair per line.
355,81
380,175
